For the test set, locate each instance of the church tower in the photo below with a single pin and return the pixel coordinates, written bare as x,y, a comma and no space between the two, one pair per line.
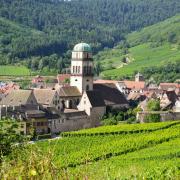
82,67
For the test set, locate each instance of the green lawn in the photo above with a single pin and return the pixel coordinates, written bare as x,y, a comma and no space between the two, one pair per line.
146,56
14,71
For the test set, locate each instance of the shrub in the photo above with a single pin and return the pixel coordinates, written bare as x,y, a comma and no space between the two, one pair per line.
110,121
153,118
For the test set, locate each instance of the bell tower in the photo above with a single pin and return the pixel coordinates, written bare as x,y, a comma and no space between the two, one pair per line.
82,67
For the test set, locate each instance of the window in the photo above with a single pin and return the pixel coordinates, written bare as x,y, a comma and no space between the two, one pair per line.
84,102
85,69
87,88
78,69
73,69
70,104
38,123
77,101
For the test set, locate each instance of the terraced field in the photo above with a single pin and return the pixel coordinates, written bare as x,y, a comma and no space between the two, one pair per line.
140,151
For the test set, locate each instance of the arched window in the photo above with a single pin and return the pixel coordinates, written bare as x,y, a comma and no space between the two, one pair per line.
76,69
87,87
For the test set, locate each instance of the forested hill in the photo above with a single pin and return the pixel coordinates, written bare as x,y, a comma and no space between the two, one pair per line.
102,23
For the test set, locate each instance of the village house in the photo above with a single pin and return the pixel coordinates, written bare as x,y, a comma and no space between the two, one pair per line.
47,98
22,105
6,88
169,86
168,100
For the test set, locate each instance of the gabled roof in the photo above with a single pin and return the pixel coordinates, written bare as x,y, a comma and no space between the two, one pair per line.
69,91
17,97
134,96
172,96
44,96
95,98
110,94
135,85
166,86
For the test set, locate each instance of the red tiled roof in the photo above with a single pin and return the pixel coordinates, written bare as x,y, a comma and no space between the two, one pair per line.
62,77
37,79
135,84
102,81
129,84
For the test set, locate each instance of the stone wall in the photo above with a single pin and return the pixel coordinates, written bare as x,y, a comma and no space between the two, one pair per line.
165,116
75,121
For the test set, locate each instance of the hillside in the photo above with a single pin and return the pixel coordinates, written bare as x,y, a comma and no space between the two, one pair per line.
155,45
58,25
139,151
18,40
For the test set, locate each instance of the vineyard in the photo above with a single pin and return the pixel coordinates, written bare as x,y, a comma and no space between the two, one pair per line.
123,152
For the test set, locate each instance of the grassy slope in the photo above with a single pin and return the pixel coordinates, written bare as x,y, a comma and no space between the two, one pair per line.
149,47
14,71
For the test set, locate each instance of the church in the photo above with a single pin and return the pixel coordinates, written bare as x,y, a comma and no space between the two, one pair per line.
83,103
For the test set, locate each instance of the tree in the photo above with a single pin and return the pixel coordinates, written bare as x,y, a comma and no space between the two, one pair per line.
60,65
9,135
97,68
153,105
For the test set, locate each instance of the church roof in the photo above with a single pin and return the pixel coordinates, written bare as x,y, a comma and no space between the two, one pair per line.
111,94
69,91
82,47
95,98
